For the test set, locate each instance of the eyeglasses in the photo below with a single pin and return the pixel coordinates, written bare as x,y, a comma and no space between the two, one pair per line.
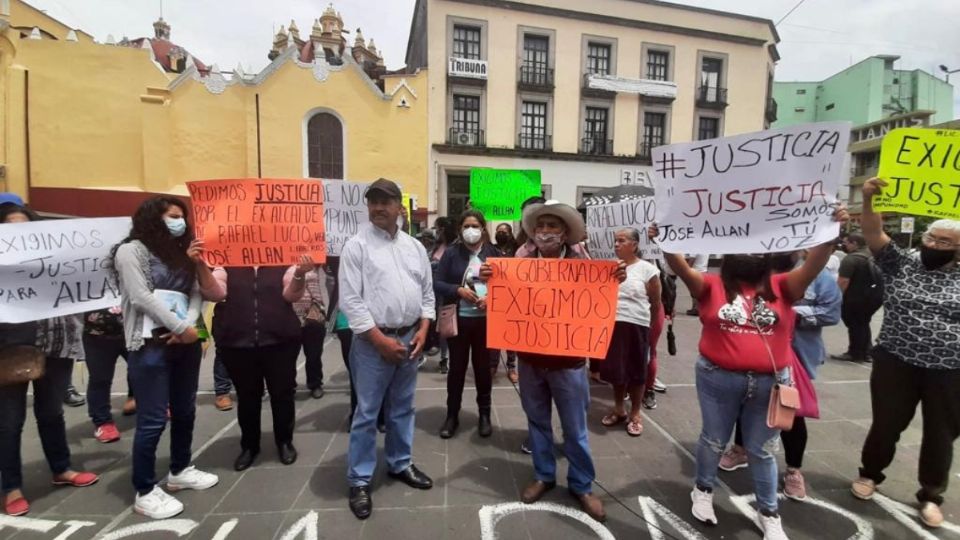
938,242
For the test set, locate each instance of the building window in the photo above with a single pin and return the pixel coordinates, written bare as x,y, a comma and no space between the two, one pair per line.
709,128
830,107
800,109
466,121
711,71
654,131
325,146
533,125
595,131
466,42
801,92
598,58
536,60
657,65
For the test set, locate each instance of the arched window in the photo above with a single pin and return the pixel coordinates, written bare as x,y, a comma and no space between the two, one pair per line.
325,146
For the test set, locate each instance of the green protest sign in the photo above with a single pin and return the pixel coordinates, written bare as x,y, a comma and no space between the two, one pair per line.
498,193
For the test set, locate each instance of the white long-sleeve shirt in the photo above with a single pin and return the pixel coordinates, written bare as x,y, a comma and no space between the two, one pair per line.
385,281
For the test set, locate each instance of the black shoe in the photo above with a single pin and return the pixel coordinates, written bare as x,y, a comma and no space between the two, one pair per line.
484,429
444,367
288,454
360,502
73,398
847,357
317,393
449,428
693,312
245,460
413,477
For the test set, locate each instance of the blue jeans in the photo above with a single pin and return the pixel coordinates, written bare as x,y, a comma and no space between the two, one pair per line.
163,375
728,396
569,390
101,357
221,378
48,392
379,383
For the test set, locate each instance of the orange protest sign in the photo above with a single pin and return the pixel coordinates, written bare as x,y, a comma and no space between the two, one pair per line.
563,307
259,221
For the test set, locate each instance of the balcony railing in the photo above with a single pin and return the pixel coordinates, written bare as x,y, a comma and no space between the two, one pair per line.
535,77
466,137
712,97
597,146
771,110
645,150
543,143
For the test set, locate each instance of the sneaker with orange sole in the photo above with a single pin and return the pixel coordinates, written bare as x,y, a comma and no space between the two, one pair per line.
107,433
223,402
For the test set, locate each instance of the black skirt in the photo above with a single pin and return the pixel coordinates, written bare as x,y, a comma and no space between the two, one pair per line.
626,362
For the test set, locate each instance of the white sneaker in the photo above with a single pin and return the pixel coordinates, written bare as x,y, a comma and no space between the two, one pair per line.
703,506
157,504
191,478
930,515
771,527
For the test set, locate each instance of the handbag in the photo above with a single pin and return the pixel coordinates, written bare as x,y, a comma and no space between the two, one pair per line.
784,397
316,314
21,364
447,317
809,404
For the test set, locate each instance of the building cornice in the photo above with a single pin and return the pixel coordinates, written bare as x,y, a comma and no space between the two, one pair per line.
535,154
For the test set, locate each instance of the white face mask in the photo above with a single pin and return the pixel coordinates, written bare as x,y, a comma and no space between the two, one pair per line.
472,236
176,226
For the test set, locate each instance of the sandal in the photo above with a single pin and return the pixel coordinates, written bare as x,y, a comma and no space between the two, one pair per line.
635,427
613,419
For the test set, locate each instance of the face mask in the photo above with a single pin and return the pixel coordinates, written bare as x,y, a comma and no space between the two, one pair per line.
176,226
746,268
503,238
933,258
472,236
547,241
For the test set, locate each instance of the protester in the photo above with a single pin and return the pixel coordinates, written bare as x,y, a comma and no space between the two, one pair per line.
387,296
457,281
164,367
446,236
222,385
312,309
625,367
745,349
60,340
862,289
917,356
819,307
103,344
258,337
547,380
507,245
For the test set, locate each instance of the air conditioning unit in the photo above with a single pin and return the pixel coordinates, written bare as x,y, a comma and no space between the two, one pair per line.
466,138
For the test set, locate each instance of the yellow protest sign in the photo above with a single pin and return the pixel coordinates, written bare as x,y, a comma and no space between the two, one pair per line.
922,167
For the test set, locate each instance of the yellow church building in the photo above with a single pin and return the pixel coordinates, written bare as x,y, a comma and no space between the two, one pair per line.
89,129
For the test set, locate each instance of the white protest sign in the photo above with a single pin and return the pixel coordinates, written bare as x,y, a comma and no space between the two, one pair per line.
58,267
344,210
604,220
764,192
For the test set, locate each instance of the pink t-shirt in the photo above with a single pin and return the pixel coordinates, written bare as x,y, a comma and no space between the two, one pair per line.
731,340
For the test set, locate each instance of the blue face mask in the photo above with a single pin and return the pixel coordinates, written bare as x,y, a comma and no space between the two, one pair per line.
176,226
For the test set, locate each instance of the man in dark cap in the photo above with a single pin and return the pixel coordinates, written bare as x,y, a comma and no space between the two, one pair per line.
386,293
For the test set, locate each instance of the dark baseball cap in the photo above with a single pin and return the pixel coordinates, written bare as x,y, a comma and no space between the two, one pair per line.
385,188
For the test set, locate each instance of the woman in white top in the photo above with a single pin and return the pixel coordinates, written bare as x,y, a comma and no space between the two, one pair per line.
626,364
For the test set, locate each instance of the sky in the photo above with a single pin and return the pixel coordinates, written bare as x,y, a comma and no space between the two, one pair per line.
819,38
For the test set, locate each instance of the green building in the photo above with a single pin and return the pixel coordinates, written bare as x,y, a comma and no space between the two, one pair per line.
866,92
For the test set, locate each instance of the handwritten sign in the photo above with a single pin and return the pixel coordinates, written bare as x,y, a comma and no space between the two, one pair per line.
344,211
558,307
923,169
58,267
604,220
763,192
498,193
259,222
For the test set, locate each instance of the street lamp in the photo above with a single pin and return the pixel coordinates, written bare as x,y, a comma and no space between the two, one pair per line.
948,71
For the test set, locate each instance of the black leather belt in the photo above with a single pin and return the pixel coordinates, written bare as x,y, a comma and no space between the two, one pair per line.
402,331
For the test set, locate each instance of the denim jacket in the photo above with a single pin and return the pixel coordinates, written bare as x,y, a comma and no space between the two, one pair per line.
819,307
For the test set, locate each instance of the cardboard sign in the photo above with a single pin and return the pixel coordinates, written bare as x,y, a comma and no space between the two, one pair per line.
563,307
763,192
344,211
604,220
259,221
922,167
58,267
498,193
